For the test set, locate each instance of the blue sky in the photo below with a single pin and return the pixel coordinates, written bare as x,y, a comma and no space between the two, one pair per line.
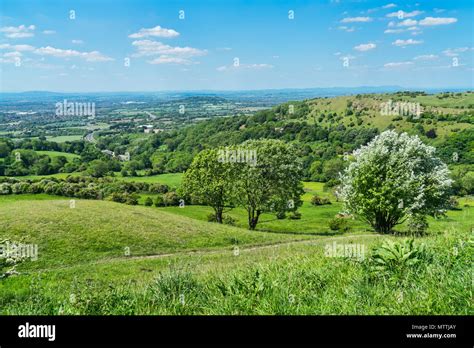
234,45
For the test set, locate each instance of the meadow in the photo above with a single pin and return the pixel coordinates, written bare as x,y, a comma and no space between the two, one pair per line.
108,258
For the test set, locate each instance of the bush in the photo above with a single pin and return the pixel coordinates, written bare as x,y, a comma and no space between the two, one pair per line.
339,224
159,201
5,189
316,200
295,215
211,217
171,198
417,224
281,215
228,220
117,197
158,188
148,202
131,199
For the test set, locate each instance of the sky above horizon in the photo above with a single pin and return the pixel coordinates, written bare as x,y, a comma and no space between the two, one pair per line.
106,45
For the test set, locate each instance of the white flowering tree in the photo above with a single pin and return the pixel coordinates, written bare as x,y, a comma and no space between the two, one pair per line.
392,178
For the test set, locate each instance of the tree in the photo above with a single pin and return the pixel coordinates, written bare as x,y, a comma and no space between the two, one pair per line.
272,181
98,168
332,168
392,178
209,181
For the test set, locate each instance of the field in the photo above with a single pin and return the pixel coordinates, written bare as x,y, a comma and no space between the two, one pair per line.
64,138
69,156
108,258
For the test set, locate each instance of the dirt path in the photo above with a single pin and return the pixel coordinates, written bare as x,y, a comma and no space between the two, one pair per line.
213,251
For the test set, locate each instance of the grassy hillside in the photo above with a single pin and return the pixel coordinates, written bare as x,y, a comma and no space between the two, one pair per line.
96,230
52,154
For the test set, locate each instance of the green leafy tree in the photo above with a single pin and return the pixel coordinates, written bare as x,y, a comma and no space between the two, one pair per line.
392,178
209,181
272,180
98,169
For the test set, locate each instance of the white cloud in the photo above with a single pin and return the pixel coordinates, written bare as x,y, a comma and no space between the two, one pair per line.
258,66
17,47
93,56
170,60
156,31
426,57
431,21
49,32
12,54
389,5
403,14
356,19
365,47
151,48
407,23
19,32
397,64
394,31
454,52
77,42
403,43
346,29
245,66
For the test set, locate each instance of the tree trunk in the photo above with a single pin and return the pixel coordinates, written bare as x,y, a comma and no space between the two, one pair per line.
253,216
218,211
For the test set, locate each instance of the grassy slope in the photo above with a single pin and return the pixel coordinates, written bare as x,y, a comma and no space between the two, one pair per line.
373,117
96,230
69,156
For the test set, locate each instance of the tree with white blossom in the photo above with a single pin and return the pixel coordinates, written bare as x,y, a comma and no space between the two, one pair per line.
392,178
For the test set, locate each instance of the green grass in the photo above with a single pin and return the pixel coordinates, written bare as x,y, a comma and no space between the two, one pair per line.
287,279
64,138
69,156
172,179
180,264
98,230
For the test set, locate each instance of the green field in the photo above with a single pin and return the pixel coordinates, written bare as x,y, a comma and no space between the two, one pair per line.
69,156
108,258
64,138
171,179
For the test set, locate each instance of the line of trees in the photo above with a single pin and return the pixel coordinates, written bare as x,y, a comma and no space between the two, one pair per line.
271,183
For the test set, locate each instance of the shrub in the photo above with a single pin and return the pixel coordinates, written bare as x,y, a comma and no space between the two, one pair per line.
295,215
158,188
228,220
117,197
159,201
316,200
131,199
211,217
339,224
148,202
417,224
171,198
5,189
281,215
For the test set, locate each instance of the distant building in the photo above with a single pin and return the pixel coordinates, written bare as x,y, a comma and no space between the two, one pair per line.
108,152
